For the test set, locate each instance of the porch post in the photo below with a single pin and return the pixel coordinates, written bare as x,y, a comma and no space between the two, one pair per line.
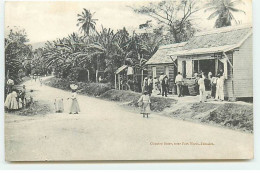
115,80
228,59
233,98
88,75
119,81
216,67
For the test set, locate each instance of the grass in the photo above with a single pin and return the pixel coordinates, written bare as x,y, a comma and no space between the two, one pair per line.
157,104
90,89
229,115
37,108
233,116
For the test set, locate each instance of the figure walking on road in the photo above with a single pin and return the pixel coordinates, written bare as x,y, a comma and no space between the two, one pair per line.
74,108
145,102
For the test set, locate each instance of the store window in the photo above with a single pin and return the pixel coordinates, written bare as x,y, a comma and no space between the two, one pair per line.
184,69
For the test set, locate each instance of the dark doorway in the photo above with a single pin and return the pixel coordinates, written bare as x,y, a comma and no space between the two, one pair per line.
184,69
207,66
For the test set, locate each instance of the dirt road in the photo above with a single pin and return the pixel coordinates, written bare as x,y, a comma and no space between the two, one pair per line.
106,131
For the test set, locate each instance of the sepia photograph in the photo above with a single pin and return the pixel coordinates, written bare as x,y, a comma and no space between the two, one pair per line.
154,80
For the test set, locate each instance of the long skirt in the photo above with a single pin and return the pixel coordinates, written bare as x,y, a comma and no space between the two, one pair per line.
20,103
202,94
14,104
74,106
213,90
220,93
8,101
146,108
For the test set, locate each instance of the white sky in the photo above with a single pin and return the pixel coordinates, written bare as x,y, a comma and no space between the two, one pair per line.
50,20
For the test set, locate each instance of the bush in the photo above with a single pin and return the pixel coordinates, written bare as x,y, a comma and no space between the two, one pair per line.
37,108
92,89
158,104
232,115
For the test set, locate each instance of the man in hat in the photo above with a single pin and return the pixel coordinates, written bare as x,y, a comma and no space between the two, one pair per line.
145,85
160,80
165,85
179,81
150,85
220,88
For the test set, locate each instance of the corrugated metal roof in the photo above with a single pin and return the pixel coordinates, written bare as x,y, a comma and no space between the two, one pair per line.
217,40
162,57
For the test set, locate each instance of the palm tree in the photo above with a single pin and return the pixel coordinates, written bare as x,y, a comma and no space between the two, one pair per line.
88,24
223,9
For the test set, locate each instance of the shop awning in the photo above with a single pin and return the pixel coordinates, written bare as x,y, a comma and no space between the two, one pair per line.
204,50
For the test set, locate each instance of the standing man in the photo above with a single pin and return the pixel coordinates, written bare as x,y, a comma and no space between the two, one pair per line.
202,89
160,80
145,87
165,86
179,81
150,85
220,88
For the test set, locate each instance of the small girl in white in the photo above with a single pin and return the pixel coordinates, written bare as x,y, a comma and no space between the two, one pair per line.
145,100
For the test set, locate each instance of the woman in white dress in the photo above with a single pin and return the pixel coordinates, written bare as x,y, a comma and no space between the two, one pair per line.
8,101
145,102
74,108
13,101
220,88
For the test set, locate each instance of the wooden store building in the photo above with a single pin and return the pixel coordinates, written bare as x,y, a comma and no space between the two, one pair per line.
228,50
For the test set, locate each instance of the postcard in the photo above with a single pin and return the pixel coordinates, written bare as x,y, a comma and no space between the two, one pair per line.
128,80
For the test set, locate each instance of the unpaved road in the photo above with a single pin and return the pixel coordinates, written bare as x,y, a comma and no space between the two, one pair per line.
106,131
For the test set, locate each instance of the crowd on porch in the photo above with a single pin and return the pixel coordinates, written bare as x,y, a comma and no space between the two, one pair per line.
203,83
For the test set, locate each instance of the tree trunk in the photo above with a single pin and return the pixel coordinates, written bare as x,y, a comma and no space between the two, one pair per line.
175,35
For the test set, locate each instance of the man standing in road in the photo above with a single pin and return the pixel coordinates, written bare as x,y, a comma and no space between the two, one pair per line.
179,81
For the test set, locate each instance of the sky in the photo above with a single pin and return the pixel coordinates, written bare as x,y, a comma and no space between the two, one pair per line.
56,19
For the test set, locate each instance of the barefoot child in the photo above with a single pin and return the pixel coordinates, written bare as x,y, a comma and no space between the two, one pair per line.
58,103
145,100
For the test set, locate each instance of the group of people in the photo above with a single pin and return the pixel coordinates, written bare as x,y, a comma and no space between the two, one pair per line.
74,105
216,85
16,99
161,84
35,77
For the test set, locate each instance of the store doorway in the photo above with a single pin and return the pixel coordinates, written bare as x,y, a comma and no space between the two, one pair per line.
207,66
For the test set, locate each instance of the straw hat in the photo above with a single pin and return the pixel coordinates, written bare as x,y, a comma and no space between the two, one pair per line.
73,86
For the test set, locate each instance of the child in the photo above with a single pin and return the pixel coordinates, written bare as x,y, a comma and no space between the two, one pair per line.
145,100
58,103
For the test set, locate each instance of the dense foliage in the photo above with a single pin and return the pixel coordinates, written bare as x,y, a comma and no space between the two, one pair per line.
83,56
16,51
223,9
